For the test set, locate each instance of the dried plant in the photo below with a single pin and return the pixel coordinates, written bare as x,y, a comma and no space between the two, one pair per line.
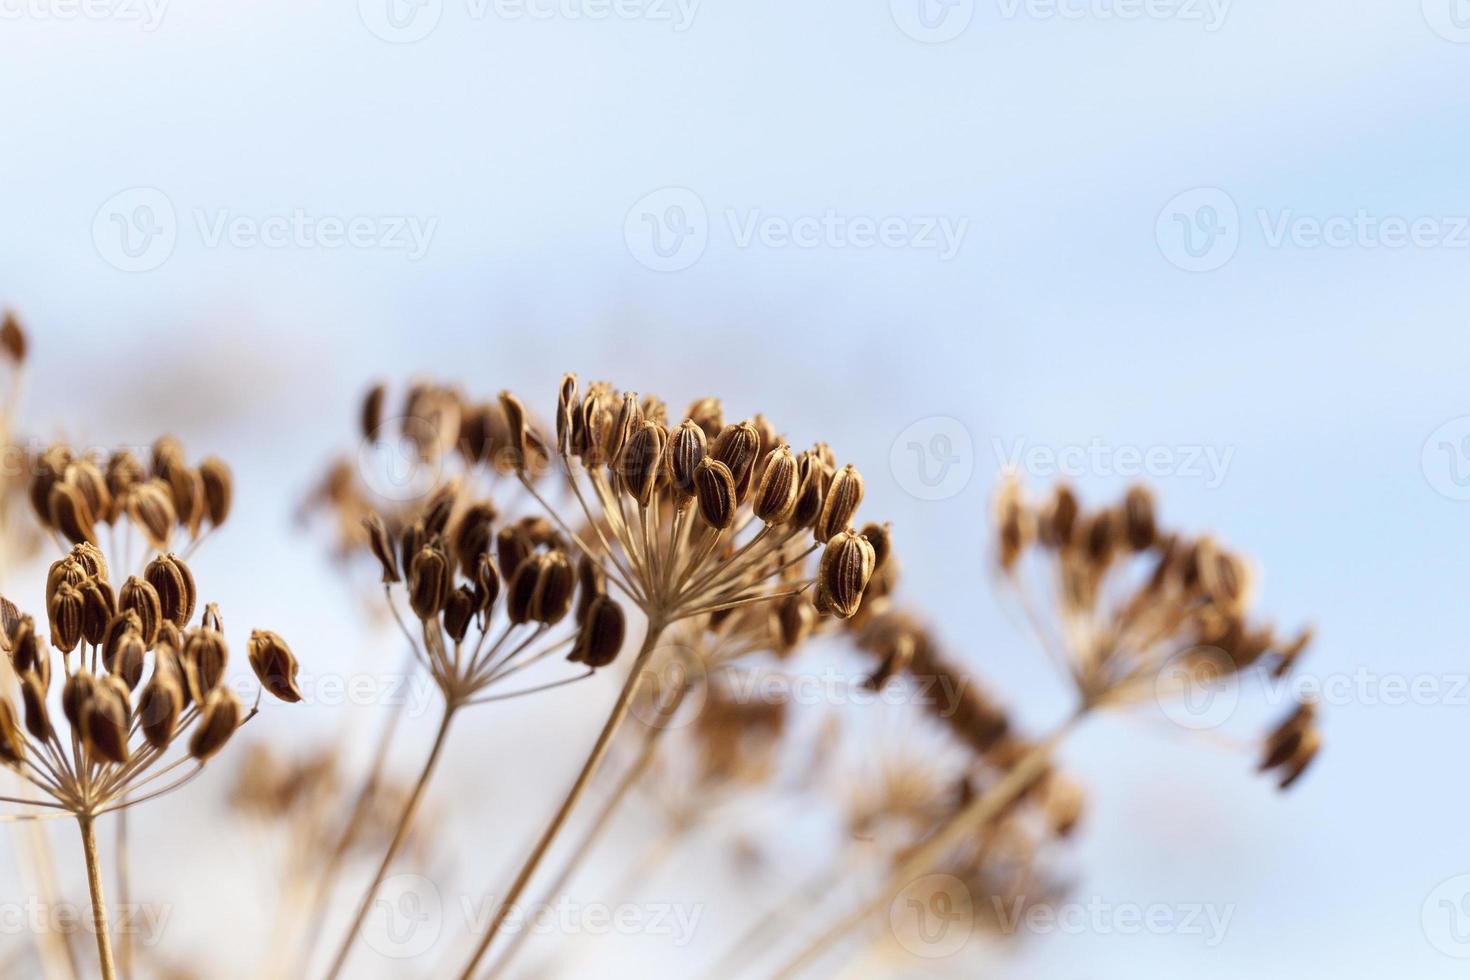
125,741
1132,612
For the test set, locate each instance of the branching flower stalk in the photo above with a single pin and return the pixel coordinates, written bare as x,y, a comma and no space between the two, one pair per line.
1134,614
115,751
699,519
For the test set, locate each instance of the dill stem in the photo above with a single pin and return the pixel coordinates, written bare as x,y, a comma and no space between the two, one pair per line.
405,824
125,937
600,823
99,903
924,858
615,719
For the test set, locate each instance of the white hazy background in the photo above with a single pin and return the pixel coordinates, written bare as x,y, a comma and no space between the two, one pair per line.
1332,378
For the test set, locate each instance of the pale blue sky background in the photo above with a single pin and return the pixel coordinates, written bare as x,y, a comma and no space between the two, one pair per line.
1061,320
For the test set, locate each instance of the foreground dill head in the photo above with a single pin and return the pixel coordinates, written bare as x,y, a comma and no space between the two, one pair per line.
138,678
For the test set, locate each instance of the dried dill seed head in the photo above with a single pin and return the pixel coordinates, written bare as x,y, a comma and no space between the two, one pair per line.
1292,746
13,338
274,664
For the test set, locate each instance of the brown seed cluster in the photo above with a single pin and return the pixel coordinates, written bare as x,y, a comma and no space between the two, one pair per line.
137,673
1137,611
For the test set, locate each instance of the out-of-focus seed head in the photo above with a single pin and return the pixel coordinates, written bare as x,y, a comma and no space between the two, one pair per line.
219,716
709,415
46,472
1101,536
106,717
150,507
847,564
843,497
880,536
815,477
410,540
142,598
27,653
174,583
381,547
512,547
33,699
602,631
219,489
12,742
440,509
522,590
566,410
792,620
555,586
70,514
371,417
274,665
775,497
124,472
75,695
428,582
85,475
158,709
13,338
591,582
714,487
1013,521
1140,528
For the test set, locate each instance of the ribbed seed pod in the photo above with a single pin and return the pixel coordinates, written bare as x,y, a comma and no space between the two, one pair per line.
428,582
106,717
12,742
847,564
880,536
67,612
639,463
274,665
88,479
440,509
487,585
33,698
159,707
206,655
26,652
775,497
46,471
99,605
186,490
76,693
382,547
142,598
151,509
219,489
512,547
738,447
473,535
591,582
814,477
625,423
843,497
688,446
459,613
174,583
566,410
219,716
515,424
714,488
90,557
554,589
602,632
70,514
124,657
792,621
522,590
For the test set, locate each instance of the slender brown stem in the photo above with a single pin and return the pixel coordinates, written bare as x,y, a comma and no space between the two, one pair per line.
125,937
99,903
601,822
327,881
927,856
405,824
594,761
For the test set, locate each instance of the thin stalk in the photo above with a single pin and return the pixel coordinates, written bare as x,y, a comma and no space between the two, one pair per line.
327,881
99,902
594,761
600,823
405,824
125,937
927,856
757,935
